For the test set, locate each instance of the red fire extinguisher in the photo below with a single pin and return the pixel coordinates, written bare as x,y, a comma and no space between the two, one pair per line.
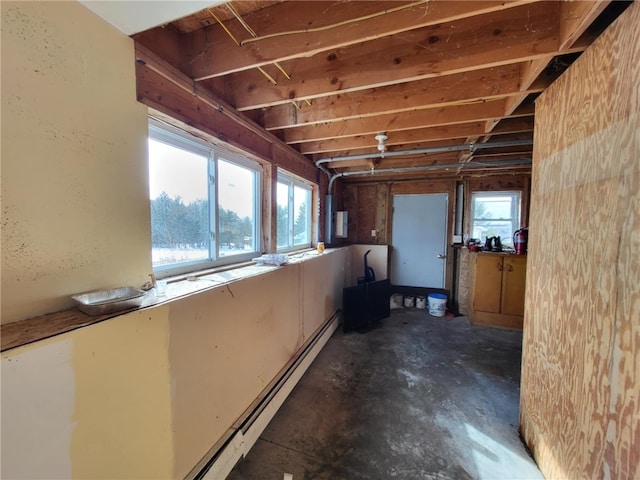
520,241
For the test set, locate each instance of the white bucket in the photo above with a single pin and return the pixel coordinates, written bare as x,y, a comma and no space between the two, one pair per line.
421,302
437,304
396,300
409,302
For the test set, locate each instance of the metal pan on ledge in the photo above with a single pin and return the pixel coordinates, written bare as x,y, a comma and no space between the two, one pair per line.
102,302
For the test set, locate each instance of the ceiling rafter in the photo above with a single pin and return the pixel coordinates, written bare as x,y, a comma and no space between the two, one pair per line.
419,135
573,20
395,122
322,78
510,36
458,89
205,49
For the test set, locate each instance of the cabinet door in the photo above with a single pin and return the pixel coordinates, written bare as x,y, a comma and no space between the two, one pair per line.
487,283
513,283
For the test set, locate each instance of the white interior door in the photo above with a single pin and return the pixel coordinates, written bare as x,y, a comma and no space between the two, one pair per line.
419,235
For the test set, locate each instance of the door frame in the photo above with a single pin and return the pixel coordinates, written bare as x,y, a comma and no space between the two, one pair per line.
418,187
426,242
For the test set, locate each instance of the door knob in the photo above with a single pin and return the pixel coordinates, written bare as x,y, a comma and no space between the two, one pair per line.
441,256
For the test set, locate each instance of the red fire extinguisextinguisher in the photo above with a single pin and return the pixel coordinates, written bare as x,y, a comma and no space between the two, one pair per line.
520,241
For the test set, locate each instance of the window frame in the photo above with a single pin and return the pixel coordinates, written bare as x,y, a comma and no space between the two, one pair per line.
178,138
292,181
516,212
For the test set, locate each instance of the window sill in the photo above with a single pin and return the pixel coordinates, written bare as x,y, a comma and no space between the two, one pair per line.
23,332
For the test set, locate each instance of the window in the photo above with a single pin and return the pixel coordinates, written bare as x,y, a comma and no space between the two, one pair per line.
294,213
204,203
495,214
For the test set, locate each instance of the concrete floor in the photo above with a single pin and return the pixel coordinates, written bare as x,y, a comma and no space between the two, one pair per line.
418,397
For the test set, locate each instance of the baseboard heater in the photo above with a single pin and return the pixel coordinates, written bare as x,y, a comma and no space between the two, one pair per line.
221,461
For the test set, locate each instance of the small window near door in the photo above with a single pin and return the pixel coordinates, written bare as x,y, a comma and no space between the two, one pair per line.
495,214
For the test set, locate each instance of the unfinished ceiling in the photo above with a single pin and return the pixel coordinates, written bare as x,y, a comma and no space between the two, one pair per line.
451,85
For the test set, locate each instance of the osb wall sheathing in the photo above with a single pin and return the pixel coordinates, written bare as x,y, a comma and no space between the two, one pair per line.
464,282
367,209
580,402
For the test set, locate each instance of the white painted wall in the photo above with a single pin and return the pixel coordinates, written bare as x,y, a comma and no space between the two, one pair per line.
32,404
75,208
148,393
378,259
145,394
137,16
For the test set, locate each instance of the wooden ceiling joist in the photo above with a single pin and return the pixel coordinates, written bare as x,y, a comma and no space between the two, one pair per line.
574,18
499,39
419,135
324,26
396,122
334,74
464,88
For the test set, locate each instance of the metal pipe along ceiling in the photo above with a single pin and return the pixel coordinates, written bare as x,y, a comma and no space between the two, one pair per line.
451,148
518,161
472,147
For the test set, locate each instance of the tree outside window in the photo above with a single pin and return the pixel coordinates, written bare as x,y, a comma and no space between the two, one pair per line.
204,203
293,213
495,214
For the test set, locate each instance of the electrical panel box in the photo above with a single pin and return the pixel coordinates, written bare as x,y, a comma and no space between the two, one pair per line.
342,221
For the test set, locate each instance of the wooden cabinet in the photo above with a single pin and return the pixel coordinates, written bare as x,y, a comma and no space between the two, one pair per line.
498,289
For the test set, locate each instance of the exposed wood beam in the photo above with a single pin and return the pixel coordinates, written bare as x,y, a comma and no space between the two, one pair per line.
426,72
395,122
573,20
514,125
503,156
403,163
210,52
522,135
419,135
164,88
461,88
164,42
510,36
372,163
364,150
440,174
409,160
357,163
412,136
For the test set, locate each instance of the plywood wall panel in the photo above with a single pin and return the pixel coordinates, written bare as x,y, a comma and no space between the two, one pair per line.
366,212
498,183
464,282
382,213
580,411
367,205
